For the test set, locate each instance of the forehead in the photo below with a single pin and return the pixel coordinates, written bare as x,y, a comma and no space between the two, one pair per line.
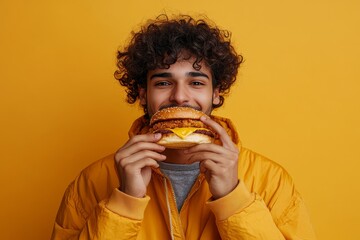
185,64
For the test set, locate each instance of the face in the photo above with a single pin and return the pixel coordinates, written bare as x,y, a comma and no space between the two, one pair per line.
180,85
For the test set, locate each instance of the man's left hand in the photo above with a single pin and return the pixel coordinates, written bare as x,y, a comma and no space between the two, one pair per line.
219,163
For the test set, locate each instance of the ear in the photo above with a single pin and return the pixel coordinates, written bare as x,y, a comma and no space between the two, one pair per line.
142,96
216,96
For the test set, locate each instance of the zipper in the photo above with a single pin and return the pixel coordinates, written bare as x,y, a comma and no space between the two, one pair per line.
169,210
193,190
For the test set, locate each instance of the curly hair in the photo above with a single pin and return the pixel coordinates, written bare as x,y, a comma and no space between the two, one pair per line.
160,42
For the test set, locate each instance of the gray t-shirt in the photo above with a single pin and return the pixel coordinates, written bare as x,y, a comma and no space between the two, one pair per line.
182,177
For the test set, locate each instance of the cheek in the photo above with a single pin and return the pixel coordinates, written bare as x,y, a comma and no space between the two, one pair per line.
205,101
154,101
156,97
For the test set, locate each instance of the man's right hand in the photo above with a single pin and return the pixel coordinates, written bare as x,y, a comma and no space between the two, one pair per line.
134,161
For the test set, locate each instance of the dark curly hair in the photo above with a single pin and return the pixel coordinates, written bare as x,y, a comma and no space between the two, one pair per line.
160,42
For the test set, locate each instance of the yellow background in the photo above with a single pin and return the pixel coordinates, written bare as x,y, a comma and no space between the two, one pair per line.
297,99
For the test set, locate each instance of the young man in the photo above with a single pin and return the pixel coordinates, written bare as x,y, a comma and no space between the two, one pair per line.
216,190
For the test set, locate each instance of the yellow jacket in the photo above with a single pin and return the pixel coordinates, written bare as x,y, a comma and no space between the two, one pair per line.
90,209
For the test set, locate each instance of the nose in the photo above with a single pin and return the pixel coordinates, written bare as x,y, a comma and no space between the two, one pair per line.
179,94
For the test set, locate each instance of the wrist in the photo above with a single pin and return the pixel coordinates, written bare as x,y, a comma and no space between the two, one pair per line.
135,194
234,202
127,205
226,191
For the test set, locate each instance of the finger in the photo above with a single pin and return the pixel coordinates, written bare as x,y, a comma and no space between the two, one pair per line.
208,165
201,156
220,151
139,156
137,147
143,138
213,169
205,147
224,137
148,162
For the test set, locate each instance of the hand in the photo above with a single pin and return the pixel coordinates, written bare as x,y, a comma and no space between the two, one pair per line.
219,163
134,161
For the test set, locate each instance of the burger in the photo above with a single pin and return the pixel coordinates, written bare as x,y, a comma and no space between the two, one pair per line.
180,127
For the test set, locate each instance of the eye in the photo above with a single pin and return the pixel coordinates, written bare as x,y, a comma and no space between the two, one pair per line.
162,83
197,83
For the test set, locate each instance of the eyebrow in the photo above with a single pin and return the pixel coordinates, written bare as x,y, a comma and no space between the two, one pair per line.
167,75
197,74
160,75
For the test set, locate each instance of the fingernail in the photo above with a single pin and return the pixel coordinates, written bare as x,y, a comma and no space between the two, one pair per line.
157,135
203,118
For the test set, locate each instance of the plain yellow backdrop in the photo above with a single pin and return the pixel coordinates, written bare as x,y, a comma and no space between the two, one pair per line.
296,100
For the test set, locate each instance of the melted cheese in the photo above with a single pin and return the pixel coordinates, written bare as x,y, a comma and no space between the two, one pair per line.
184,132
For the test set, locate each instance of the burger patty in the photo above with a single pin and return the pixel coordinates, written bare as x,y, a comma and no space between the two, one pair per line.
176,123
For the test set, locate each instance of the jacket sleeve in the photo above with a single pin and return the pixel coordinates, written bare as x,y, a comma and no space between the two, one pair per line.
253,220
108,220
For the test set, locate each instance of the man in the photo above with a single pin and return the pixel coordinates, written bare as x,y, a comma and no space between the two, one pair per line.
209,191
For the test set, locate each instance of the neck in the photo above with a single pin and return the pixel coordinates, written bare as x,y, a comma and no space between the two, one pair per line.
176,156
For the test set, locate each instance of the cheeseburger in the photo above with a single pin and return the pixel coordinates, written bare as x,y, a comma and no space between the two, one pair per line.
180,127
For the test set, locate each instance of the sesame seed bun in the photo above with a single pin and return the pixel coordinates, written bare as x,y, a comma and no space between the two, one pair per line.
176,113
